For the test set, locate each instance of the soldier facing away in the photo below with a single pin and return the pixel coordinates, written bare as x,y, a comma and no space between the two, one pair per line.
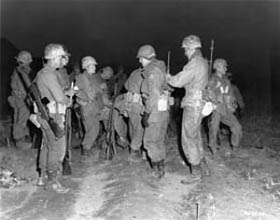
155,115
18,101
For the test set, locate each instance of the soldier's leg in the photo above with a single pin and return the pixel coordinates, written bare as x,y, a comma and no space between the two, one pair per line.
20,128
56,154
121,129
190,136
192,144
91,124
136,132
213,131
154,143
235,128
43,159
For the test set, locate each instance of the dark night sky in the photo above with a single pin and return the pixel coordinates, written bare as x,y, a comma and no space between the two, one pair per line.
246,33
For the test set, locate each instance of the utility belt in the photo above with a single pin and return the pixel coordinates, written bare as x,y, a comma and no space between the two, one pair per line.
132,97
56,108
195,100
164,101
83,102
19,94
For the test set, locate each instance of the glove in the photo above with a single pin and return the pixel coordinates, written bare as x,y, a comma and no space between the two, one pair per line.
145,119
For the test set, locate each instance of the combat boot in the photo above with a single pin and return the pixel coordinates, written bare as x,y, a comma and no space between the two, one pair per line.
42,180
161,168
134,156
54,184
205,170
214,148
158,169
86,153
123,142
195,175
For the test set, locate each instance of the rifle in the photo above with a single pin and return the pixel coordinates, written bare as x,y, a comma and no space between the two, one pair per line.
66,168
211,57
168,63
34,93
166,86
110,133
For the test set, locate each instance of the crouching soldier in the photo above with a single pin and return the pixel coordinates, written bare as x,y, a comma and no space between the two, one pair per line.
155,116
226,106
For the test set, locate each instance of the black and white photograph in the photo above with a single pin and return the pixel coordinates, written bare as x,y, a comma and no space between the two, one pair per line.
140,110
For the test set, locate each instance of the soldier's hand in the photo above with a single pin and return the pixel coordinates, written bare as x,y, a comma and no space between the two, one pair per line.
168,77
71,92
145,119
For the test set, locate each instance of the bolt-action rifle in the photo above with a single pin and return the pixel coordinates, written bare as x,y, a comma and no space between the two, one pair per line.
110,132
34,93
66,167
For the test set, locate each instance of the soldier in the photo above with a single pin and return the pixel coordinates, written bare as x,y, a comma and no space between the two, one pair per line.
18,99
194,79
155,116
90,98
226,106
133,109
107,75
53,148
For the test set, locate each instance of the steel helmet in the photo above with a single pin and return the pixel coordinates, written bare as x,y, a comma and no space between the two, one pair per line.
24,57
108,71
191,41
146,51
54,50
88,60
219,62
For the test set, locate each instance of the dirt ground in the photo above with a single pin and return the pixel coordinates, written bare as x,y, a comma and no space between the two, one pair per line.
244,184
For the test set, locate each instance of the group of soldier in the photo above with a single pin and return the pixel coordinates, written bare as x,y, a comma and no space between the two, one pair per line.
141,114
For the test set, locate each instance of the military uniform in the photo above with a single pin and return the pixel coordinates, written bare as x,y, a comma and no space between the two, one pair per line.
134,107
194,79
224,112
156,105
64,78
90,98
53,149
18,101
239,100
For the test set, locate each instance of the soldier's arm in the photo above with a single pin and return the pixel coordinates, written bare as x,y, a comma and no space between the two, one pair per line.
183,77
154,84
13,84
81,92
55,89
238,96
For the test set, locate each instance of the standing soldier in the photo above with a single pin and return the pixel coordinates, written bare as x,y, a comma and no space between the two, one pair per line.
226,106
18,100
107,76
134,108
194,78
90,98
53,148
155,116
